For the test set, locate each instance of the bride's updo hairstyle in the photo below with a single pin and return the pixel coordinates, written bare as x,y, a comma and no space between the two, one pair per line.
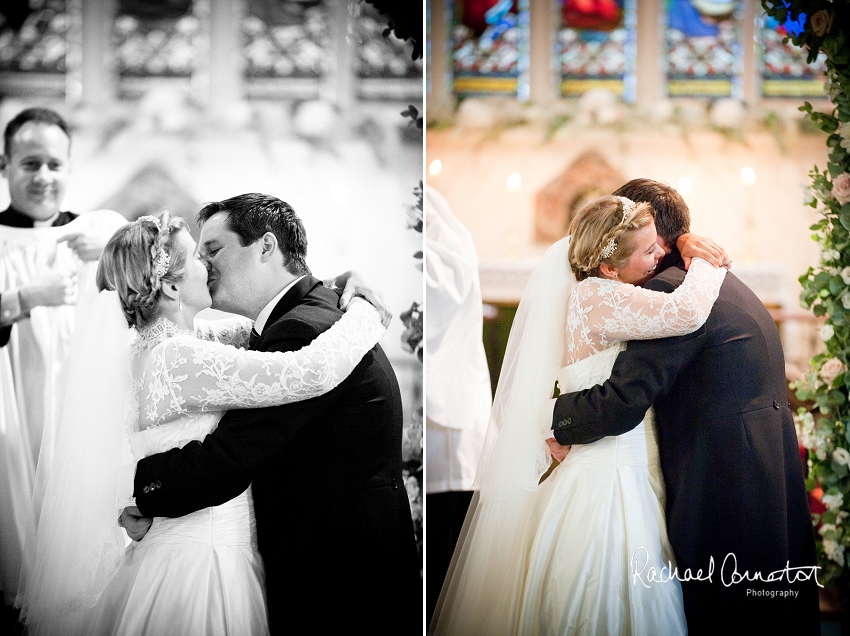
603,232
138,260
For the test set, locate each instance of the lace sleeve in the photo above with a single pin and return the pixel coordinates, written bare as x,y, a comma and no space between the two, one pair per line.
613,311
186,374
233,331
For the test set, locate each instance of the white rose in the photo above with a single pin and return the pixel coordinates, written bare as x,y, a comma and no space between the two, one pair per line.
833,502
846,301
832,90
826,527
832,368
826,333
808,197
834,551
841,188
841,456
830,255
845,275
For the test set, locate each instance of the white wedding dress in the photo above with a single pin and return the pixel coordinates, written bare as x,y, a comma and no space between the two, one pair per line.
200,573
600,512
556,558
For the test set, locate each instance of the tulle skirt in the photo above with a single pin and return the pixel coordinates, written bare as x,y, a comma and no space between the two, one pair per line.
197,574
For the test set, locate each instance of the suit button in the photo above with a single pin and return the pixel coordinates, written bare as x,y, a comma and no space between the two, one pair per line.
776,405
158,484
146,489
564,423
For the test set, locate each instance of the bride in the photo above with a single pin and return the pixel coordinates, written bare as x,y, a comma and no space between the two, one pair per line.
554,557
146,377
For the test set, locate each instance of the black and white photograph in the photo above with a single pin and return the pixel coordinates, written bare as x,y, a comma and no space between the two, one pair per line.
211,302
434,317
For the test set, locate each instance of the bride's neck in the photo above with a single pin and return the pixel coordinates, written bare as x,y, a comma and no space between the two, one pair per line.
184,319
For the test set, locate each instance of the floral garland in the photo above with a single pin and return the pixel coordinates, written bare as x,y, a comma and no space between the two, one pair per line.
825,429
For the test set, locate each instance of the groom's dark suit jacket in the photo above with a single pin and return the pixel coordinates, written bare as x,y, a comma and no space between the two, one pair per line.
333,519
729,456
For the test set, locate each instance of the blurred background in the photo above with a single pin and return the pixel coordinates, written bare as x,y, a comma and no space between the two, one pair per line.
174,103
536,107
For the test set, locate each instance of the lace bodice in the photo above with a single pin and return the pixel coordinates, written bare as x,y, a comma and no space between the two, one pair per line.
603,311
176,372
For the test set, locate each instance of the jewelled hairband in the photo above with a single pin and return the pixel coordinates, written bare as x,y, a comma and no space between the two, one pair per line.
611,245
162,260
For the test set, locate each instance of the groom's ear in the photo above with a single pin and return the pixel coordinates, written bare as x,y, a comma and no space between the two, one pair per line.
268,247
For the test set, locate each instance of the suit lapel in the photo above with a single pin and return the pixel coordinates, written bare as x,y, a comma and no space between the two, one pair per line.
290,300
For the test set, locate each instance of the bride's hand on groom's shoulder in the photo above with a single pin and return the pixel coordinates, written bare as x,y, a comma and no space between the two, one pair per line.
134,523
693,246
353,283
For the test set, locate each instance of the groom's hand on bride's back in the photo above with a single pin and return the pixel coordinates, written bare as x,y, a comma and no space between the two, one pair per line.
134,523
353,283
558,451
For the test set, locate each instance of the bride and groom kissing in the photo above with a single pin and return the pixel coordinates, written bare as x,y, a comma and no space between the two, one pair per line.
676,444
266,450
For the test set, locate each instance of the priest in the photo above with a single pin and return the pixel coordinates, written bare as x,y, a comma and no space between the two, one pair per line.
47,262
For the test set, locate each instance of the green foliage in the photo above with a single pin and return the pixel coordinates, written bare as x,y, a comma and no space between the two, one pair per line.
825,430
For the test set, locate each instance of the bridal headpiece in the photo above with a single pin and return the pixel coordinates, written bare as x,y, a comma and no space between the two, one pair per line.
160,258
611,245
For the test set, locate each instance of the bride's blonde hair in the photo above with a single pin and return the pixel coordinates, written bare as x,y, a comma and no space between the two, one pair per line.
138,260
603,232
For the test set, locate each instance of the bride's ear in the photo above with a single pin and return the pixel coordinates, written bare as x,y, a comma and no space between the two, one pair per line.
607,271
170,290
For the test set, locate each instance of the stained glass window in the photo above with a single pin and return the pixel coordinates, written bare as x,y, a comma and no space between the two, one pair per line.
384,65
489,47
155,39
596,46
286,40
703,48
38,44
784,69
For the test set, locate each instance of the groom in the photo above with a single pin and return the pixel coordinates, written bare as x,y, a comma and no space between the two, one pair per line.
728,449
333,519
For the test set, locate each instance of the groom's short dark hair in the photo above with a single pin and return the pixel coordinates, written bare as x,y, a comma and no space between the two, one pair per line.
252,215
672,216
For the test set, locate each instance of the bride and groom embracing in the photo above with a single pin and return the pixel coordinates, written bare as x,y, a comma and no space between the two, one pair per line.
678,505
292,500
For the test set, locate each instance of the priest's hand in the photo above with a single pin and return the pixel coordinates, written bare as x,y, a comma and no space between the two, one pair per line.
48,290
88,247
693,246
134,523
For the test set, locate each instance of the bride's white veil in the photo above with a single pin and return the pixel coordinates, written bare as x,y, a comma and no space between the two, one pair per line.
78,545
483,589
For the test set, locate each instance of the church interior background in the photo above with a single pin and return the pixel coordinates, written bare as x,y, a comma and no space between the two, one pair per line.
176,103
535,107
